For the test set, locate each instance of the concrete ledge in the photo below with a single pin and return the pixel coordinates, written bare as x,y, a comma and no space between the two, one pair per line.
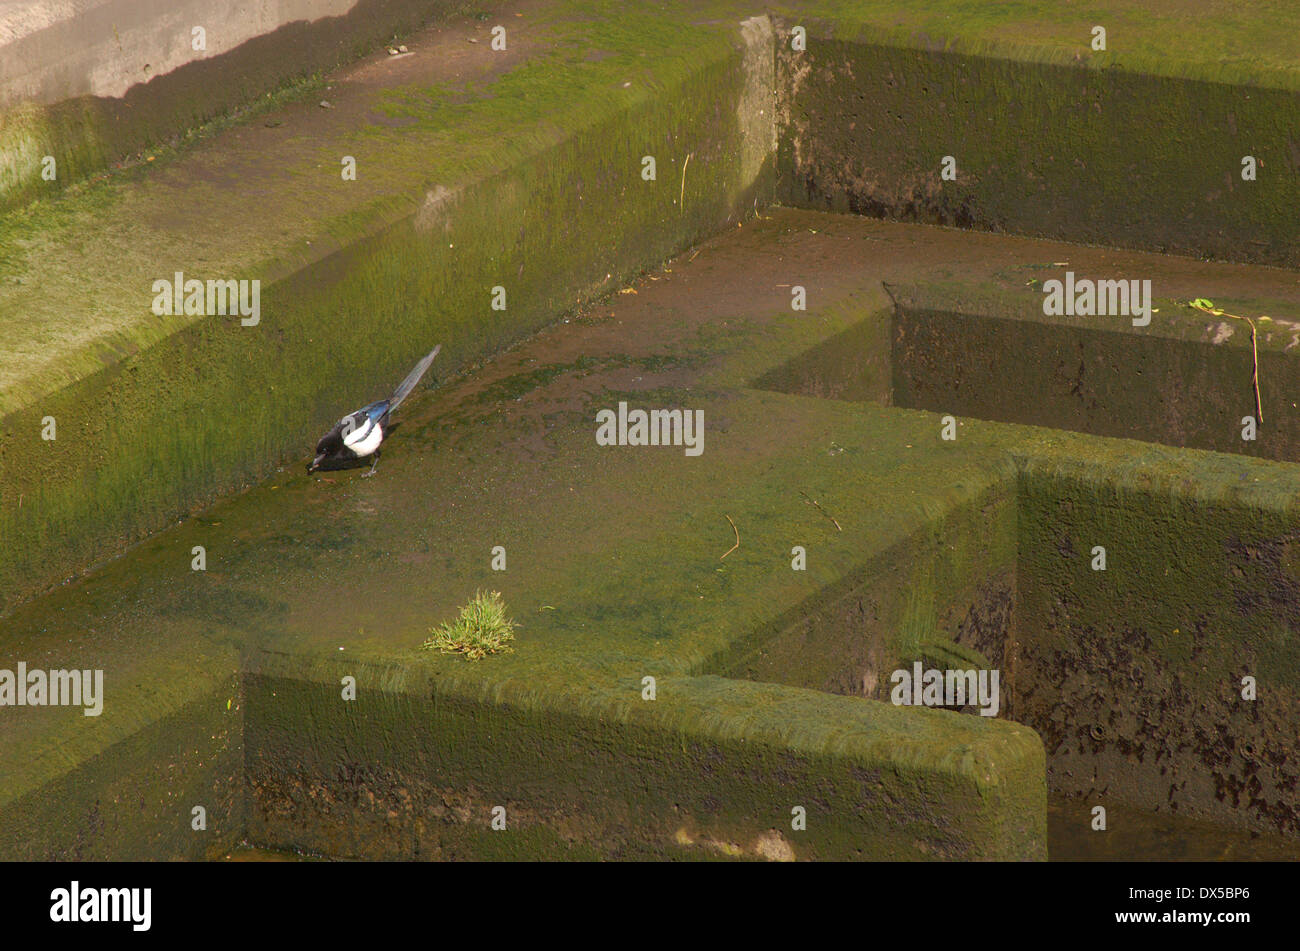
126,790
1186,379
1046,142
712,767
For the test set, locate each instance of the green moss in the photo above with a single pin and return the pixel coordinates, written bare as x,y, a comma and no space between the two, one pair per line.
1086,152
1185,380
717,764
513,221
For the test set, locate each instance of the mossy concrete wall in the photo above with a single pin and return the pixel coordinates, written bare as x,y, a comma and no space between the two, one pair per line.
711,768
1135,673
87,791
169,422
1187,379
1135,676
1058,149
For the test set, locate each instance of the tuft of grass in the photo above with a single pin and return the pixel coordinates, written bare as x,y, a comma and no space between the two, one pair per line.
481,629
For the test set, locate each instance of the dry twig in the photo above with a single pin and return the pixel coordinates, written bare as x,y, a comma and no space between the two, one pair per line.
822,510
681,199
735,546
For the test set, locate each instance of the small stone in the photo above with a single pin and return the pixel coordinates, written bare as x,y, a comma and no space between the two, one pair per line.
403,49
391,51
326,104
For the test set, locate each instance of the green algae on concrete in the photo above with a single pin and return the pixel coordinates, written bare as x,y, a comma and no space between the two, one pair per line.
410,142
410,770
1186,379
1134,675
1253,45
1063,145
524,471
417,255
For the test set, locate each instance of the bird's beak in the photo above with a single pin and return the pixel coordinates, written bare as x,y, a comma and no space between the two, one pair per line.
315,463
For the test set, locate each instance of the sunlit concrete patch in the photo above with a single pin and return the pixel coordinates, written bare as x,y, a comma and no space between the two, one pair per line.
91,83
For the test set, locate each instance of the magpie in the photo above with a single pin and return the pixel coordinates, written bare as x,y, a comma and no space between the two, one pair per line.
359,434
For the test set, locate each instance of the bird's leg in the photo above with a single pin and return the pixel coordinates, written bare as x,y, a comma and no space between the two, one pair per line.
373,463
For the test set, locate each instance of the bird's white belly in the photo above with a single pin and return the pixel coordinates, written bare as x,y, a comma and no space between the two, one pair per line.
365,441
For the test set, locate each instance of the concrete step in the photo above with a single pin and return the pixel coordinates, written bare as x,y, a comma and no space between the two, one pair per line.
615,572
476,169
93,84
309,581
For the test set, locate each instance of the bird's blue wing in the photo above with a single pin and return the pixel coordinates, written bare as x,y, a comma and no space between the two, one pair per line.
377,410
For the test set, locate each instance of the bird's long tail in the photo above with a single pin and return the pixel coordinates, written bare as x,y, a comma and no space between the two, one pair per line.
404,388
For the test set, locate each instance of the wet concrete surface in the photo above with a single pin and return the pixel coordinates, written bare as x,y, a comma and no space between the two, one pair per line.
613,554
